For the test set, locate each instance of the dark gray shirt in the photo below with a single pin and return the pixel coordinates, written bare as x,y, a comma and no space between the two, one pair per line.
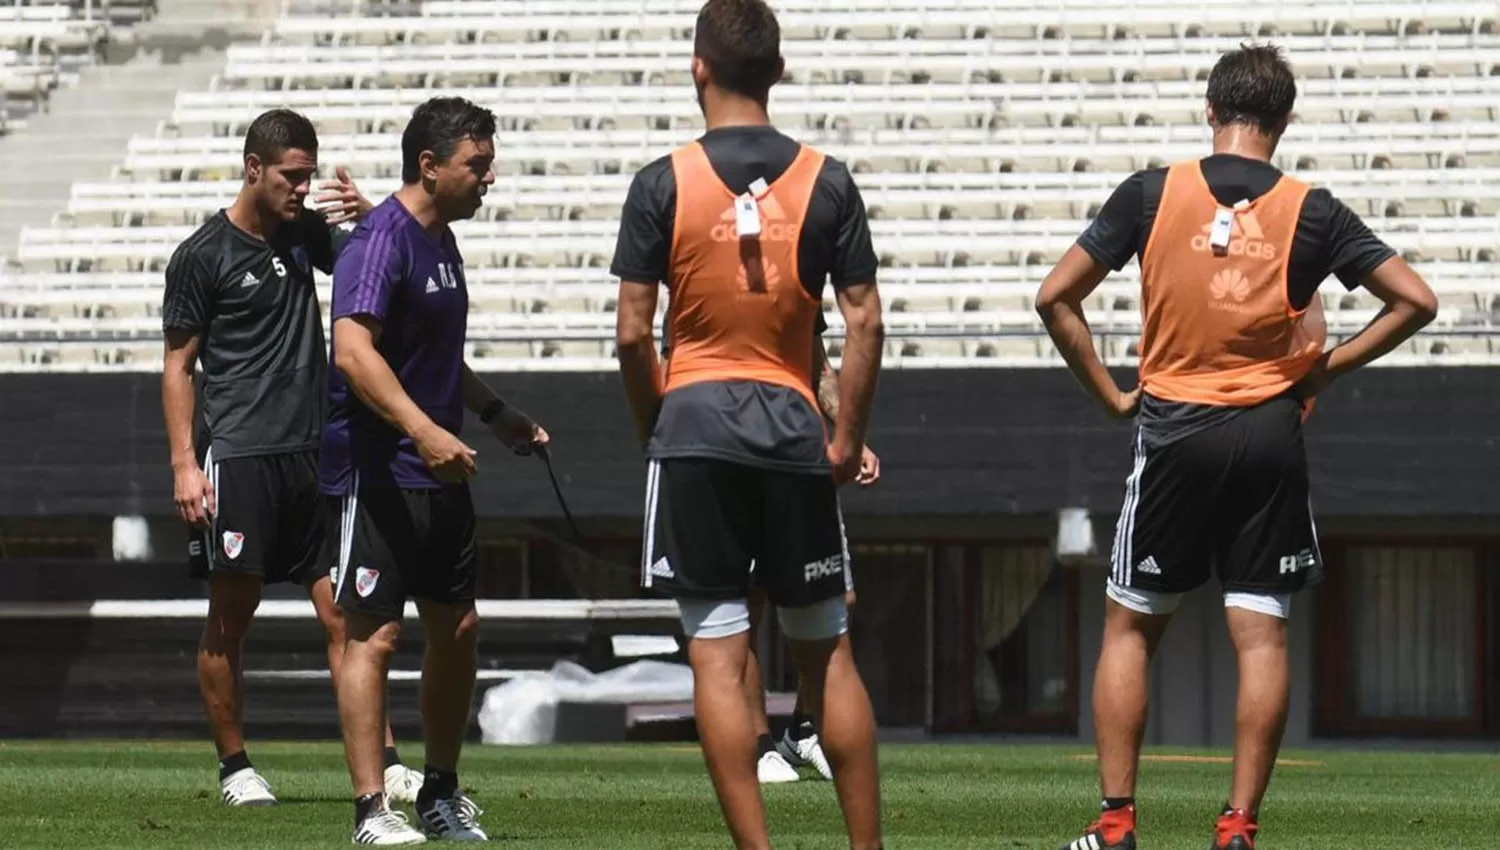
747,422
1330,240
255,307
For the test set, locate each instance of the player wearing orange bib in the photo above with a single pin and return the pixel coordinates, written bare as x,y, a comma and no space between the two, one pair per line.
745,227
1233,349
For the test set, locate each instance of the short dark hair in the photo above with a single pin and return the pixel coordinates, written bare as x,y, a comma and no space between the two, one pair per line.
279,130
740,42
1253,85
439,125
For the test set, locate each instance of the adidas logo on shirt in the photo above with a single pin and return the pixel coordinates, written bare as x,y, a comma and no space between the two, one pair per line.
249,280
431,286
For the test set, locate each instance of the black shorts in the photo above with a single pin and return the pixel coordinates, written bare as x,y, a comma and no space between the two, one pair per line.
405,544
268,521
708,520
1232,498
333,518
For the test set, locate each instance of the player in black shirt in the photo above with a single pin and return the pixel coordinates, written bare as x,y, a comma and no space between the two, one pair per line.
741,469
240,299
778,760
1232,253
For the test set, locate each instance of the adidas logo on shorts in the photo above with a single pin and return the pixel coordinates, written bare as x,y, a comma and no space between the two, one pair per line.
1148,566
662,569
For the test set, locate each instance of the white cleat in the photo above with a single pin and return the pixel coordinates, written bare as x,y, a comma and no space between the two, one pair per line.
246,788
773,769
385,828
806,751
452,819
402,783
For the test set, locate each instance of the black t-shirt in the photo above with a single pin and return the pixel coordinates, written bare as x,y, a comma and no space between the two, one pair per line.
255,306
743,421
1330,240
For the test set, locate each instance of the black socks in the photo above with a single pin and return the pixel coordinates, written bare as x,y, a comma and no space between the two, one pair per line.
232,764
366,806
391,758
437,785
802,726
764,745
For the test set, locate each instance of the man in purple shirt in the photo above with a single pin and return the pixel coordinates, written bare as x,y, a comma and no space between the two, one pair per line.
391,449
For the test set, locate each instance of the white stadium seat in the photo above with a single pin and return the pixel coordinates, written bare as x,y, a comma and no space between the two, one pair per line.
983,134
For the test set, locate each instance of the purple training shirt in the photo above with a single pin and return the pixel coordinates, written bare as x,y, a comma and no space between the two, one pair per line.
413,284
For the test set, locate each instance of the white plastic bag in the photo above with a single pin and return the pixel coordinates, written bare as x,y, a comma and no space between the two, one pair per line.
524,710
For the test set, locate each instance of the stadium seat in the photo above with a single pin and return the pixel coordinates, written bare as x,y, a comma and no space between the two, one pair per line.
983,134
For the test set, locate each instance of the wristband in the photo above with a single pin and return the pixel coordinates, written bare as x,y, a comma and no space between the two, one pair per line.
491,410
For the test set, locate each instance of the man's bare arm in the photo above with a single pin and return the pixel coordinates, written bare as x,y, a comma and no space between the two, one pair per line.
1060,304
191,490
371,378
477,394
864,344
1409,305
635,345
828,381
178,404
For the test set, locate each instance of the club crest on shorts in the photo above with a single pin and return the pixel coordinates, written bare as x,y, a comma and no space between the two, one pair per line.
364,581
233,543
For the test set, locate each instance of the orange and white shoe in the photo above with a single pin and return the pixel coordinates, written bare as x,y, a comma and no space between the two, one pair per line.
1235,830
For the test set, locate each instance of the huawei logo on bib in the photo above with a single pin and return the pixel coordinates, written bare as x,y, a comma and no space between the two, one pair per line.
1229,288
759,278
1230,283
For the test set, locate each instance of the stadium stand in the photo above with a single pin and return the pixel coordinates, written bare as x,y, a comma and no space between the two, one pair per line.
43,45
984,134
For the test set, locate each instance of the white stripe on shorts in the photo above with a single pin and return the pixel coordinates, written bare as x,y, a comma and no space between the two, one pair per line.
648,533
346,533
211,471
1123,553
844,545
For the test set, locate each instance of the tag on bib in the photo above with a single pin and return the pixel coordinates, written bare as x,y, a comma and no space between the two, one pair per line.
1218,235
746,216
759,187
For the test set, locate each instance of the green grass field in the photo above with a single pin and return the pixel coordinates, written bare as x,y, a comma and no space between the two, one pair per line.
124,795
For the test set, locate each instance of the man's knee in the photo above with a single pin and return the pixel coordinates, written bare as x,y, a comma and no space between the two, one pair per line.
371,635
232,601
455,626
330,616
1258,626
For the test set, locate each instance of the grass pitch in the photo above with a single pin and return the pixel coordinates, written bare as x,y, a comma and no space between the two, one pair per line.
124,795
